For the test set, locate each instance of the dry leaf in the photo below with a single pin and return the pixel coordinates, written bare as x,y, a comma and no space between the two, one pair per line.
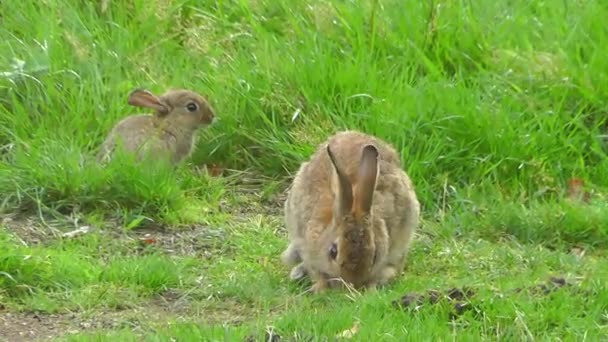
349,333
215,170
576,190
148,239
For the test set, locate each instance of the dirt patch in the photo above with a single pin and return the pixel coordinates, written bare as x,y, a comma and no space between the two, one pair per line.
187,240
17,327
191,240
29,230
159,312
46,327
33,326
197,240
459,298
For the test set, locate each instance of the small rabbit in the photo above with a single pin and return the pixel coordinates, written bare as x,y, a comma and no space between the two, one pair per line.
169,133
350,213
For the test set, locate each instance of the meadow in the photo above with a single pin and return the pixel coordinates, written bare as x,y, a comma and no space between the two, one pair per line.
498,110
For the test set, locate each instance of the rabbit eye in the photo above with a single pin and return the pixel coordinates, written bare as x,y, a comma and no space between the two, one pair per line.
192,107
333,251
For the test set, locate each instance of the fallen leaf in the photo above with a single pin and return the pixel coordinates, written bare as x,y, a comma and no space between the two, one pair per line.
349,333
576,190
147,239
215,170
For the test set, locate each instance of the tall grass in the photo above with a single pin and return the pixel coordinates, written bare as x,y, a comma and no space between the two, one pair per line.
503,98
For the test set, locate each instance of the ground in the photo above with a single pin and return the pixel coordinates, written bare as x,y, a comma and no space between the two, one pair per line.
222,282
496,109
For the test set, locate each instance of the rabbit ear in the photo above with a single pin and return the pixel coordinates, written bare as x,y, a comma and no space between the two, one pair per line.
344,200
144,98
366,180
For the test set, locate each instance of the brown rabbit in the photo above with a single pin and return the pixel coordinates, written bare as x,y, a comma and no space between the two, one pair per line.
169,133
351,213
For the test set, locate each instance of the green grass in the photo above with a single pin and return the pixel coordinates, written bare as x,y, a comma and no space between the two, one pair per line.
494,107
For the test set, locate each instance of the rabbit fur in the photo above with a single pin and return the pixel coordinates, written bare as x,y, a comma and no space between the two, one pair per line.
169,133
350,213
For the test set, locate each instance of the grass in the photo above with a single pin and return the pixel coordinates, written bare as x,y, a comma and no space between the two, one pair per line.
494,107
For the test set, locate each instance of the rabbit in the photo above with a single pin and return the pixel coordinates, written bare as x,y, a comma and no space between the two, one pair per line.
169,133
350,213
